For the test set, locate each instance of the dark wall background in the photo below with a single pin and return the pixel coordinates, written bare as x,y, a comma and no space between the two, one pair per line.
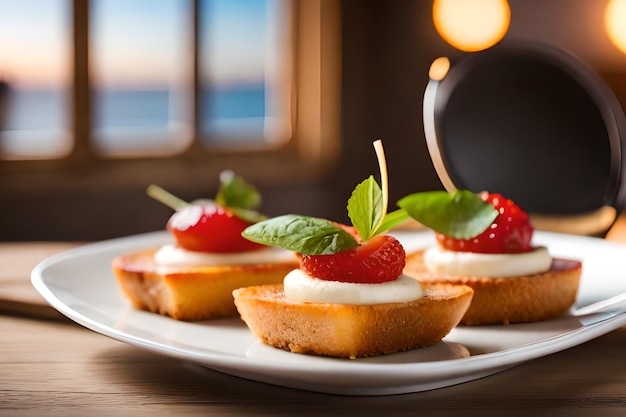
387,48
385,57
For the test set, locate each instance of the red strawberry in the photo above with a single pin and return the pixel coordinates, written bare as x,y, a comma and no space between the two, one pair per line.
210,228
511,231
377,260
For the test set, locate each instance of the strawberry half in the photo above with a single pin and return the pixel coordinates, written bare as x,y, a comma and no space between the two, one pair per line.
377,260
511,231
210,228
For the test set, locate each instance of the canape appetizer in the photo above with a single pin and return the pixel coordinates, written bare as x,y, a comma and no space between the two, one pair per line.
193,278
349,297
485,241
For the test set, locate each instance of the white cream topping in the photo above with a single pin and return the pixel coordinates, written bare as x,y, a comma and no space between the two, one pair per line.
171,255
445,262
301,287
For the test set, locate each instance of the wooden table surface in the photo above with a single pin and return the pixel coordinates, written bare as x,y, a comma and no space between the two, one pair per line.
50,366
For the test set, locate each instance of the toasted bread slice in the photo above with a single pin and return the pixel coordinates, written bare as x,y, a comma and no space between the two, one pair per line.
190,293
351,331
522,299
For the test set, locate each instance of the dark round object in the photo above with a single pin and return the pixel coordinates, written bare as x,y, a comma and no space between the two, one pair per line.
531,122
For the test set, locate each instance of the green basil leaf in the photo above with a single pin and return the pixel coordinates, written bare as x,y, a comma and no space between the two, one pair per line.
235,192
303,234
461,215
392,219
365,208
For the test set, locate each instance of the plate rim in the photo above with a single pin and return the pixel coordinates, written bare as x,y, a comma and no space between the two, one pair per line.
260,370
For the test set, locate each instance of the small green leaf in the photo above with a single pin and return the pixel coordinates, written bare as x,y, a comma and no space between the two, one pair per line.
365,208
235,192
392,219
303,234
461,215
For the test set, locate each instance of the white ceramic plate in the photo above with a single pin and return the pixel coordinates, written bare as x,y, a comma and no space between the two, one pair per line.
79,283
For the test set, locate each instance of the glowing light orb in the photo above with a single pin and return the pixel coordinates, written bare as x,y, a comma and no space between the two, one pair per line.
439,68
471,25
615,22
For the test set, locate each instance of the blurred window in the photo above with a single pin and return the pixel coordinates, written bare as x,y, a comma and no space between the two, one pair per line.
34,79
161,75
244,72
141,61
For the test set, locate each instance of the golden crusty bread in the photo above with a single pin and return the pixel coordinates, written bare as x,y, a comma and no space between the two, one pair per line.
521,299
351,331
190,293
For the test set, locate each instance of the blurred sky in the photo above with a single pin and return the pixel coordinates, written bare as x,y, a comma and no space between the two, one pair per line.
135,42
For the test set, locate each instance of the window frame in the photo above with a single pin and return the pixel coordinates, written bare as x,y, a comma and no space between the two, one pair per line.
309,155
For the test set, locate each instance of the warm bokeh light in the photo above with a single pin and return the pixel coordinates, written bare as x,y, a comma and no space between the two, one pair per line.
615,21
439,68
471,25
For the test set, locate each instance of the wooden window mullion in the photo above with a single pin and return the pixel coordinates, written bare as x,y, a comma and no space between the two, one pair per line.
81,89
197,90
